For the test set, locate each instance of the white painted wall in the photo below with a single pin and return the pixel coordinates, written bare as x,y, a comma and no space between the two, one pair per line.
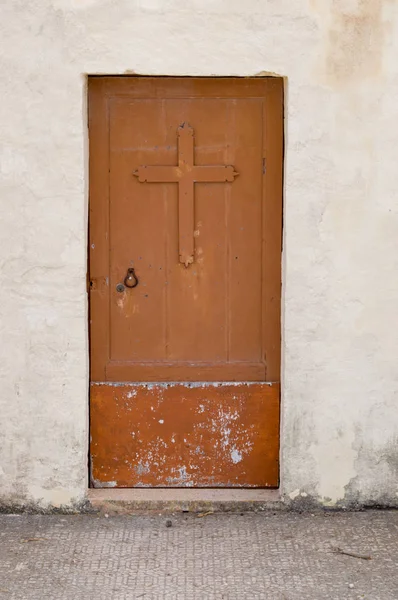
340,424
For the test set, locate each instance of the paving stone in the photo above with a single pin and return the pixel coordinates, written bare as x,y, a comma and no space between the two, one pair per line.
275,556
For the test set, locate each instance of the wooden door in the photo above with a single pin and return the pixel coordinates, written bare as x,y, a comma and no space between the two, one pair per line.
184,281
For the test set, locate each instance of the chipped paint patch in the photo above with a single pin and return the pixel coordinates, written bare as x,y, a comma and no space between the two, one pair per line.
294,494
236,456
182,477
142,468
335,461
106,484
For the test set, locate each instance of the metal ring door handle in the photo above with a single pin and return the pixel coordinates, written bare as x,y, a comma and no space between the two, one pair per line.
131,279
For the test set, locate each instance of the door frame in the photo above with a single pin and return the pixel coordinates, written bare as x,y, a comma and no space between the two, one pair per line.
274,167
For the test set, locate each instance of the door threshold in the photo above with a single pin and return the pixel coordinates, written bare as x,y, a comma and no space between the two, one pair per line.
175,500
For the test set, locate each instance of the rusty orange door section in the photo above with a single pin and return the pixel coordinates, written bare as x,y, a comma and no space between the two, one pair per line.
177,435
185,277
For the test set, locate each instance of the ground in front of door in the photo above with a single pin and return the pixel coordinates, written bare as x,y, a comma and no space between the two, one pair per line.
275,556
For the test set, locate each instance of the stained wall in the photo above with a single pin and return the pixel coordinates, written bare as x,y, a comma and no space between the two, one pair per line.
340,262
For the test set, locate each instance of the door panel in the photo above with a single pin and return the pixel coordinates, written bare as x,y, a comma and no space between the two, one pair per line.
174,435
203,313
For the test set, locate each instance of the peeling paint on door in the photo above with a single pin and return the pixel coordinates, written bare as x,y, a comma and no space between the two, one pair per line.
219,435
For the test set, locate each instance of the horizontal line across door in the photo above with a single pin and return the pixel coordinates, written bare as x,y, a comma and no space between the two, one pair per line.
184,87
189,371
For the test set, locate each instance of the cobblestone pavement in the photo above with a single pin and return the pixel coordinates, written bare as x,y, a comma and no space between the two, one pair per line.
276,556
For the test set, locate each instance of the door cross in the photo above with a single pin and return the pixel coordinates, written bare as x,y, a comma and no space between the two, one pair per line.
186,174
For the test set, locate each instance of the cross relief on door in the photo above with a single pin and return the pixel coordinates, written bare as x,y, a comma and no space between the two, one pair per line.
186,174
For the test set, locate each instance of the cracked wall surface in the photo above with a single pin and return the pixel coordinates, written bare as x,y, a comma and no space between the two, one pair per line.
340,264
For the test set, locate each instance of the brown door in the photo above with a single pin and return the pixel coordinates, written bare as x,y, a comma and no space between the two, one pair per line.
185,262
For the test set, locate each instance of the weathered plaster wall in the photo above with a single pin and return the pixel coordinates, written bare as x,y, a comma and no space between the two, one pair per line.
340,376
